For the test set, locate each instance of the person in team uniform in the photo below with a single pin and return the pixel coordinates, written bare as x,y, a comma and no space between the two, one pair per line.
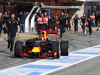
53,21
68,22
39,22
98,23
83,19
62,22
76,23
93,17
45,21
22,18
90,23
1,23
13,26
6,17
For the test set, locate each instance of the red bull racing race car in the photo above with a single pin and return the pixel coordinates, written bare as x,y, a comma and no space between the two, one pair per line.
41,46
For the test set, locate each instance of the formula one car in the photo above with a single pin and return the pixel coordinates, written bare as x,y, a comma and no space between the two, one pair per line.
41,47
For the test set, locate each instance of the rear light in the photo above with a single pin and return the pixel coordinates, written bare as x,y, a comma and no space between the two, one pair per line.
57,37
55,54
45,54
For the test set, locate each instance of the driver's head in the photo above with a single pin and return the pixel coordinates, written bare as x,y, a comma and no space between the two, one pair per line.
43,33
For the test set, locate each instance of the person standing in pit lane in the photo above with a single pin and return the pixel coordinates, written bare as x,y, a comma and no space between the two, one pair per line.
39,22
68,18
53,21
62,22
45,21
1,23
98,23
90,23
13,26
76,23
93,17
22,18
6,17
83,19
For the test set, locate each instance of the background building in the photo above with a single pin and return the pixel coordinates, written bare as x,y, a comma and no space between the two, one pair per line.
92,7
15,6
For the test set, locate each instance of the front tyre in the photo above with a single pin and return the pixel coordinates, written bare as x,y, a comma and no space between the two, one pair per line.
55,50
18,48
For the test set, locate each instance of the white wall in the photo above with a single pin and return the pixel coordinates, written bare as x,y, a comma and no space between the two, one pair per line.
79,12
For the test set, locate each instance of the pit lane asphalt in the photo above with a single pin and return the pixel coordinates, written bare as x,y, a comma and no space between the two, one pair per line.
76,42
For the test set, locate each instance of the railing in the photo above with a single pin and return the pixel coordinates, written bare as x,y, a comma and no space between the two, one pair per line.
27,24
33,26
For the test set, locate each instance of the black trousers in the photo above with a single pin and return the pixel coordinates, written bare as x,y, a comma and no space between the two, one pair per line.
53,27
76,27
45,27
83,27
0,32
39,27
90,30
68,26
62,30
11,39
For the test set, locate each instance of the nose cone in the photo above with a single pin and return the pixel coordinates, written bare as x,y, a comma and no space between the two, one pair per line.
36,49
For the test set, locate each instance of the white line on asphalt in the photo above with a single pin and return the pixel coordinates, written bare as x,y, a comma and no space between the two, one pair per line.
64,65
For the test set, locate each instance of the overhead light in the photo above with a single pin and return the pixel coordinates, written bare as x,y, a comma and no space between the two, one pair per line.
89,0
15,4
35,3
9,4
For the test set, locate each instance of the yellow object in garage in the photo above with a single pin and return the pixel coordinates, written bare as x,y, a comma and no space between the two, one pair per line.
31,38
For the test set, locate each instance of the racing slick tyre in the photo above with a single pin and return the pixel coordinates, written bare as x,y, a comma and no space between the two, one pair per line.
18,48
64,48
55,50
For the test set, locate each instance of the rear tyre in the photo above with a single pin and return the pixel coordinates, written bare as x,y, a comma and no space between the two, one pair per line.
64,48
18,48
55,50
